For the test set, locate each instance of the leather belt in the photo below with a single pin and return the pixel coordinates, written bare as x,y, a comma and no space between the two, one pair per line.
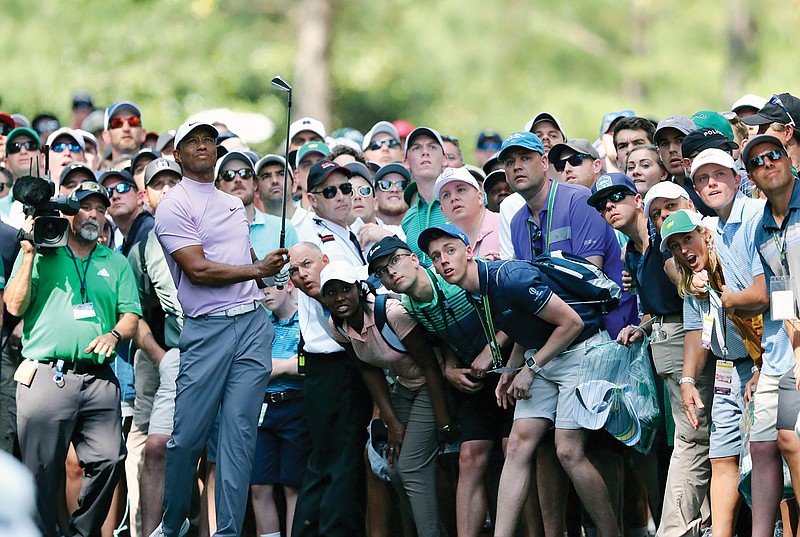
280,397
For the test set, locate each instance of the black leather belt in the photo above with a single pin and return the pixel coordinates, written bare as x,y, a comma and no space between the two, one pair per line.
80,368
280,397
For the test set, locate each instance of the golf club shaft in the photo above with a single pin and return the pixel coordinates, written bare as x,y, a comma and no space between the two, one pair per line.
286,171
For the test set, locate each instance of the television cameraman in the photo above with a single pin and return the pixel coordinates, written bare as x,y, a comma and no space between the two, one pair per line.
77,302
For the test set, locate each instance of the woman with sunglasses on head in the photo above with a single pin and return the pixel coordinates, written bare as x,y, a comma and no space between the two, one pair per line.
414,411
733,341
645,167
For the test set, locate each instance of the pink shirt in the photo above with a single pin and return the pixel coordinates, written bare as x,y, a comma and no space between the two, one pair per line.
371,348
197,214
488,241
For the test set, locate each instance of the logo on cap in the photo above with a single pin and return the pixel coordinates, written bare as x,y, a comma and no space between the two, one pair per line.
713,132
670,224
374,249
517,135
604,181
306,122
447,172
328,165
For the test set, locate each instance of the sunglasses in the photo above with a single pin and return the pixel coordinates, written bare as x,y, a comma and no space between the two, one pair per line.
329,192
774,156
230,175
384,185
61,146
775,100
15,147
364,190
5,129
574,161
118,122
616,197
119,187
391,143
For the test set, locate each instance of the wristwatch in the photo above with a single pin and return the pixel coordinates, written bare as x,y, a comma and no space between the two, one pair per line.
116,335
530,362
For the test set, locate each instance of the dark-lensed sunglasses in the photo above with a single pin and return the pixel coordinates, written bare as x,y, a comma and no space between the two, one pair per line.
329,192
574,161
391,143
5,129
773,155
119,187
230,175
616,197
60,147
119,122
385,185
15,147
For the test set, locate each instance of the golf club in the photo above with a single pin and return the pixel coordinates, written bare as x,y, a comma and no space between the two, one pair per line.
281,85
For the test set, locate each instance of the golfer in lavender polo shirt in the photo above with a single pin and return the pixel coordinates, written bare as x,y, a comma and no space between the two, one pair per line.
226,338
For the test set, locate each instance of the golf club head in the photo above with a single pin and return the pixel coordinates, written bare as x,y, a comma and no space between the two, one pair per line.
280,84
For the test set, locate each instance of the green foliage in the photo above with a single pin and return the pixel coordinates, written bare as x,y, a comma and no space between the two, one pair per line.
457,65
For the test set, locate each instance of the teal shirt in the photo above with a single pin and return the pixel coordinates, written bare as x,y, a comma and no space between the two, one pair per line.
51,330
420,216
265,234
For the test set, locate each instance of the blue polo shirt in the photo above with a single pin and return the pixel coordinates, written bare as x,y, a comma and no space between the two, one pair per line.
420,216
778,354
265,233
517,291
284,346
576,228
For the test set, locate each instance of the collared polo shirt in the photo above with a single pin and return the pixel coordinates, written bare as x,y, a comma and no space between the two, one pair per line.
371,348
488,241
198,214
576,228
517,291
419,217
723,335
265,233
771,239
657,294
284,346
450,316
51,330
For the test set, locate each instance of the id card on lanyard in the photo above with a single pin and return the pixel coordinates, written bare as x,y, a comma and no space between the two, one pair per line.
84,310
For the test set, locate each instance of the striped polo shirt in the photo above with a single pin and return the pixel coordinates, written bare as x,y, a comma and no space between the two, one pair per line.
420,216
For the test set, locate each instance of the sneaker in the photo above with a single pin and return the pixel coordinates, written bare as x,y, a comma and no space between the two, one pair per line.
159,532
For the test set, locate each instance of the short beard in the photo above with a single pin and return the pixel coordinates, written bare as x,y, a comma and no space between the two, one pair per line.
89,230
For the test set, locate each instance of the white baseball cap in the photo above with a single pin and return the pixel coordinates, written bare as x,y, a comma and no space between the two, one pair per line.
188,127
664,189
712,156
339,271
454,174
307,124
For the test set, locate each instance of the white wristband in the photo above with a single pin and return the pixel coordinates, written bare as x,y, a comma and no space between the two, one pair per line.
687,379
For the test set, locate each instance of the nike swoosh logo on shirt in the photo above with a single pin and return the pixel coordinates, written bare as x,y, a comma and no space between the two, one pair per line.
232,209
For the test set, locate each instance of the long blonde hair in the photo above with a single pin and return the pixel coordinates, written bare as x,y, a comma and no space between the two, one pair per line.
687,275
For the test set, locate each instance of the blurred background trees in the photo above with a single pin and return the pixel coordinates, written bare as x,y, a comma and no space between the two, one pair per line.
457,65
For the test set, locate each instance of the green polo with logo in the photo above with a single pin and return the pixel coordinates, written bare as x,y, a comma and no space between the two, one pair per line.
51,330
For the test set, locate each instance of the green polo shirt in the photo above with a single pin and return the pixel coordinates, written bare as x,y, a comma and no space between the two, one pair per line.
51,329
421,216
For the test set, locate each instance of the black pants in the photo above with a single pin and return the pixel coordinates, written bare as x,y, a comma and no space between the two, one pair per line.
338,408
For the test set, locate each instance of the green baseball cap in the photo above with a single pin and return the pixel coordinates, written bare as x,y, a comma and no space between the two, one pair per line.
713,120
682,221
320,148
23,131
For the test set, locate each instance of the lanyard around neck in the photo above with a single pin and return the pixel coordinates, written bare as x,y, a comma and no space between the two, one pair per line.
81,276
487,324
550,204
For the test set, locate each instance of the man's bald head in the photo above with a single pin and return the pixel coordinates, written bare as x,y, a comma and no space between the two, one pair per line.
306,261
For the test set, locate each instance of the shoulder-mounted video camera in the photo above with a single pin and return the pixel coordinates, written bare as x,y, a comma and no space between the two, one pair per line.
50,230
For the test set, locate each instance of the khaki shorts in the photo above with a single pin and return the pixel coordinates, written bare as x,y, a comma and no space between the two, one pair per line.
164,401
765,410
553,394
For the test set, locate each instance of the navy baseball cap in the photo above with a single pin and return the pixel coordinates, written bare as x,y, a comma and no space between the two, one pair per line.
90,188
435,232
394,167
526,140
608,183
386,246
